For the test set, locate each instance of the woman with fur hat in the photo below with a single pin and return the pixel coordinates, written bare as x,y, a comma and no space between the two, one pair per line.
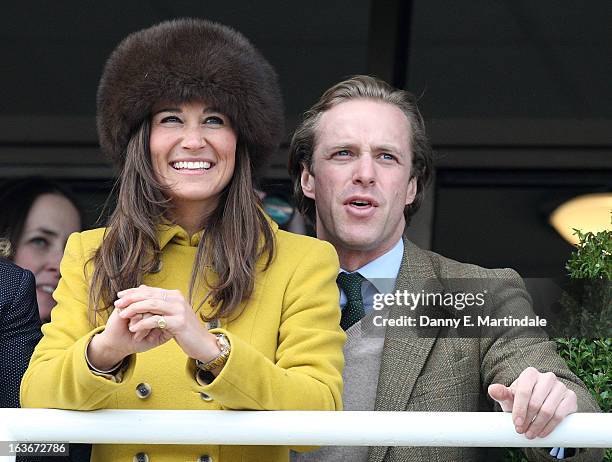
188,109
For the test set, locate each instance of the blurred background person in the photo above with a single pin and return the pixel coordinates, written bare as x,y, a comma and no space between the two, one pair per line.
37,216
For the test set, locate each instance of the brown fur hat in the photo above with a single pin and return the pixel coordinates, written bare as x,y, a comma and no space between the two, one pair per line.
186,60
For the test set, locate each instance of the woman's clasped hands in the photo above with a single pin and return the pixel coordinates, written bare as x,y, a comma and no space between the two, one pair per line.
146,317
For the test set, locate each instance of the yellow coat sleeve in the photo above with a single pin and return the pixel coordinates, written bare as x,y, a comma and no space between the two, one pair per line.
58,376
307,372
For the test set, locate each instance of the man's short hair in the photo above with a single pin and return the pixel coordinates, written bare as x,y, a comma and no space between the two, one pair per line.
360,87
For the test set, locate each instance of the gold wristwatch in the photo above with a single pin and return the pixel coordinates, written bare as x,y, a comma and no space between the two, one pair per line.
219,360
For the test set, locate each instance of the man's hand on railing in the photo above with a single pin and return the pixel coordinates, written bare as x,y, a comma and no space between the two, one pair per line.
538,402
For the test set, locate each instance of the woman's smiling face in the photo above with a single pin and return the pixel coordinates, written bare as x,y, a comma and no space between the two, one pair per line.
193,153
50,221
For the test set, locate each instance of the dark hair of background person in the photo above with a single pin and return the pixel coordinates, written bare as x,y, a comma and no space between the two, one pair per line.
16,199
360,87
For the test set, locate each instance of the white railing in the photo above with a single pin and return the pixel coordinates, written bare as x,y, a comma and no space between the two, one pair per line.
476,429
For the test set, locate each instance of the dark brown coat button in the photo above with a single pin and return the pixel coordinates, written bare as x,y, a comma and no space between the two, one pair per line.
143,390
141,457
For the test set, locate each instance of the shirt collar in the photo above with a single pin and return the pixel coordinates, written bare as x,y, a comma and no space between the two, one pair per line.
384,267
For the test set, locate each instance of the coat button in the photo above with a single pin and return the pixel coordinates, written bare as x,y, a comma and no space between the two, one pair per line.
205,397
143,391
141,457
205,458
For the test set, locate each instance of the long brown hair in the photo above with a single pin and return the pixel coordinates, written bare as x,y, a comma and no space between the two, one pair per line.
235,236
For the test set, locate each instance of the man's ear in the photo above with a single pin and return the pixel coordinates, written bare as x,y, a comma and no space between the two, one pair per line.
411,191
308,183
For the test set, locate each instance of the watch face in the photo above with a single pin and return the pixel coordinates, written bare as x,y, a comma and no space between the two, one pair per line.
223,342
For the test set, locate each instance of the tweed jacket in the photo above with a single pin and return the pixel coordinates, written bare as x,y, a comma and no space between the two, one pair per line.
19,328
452,374
286,347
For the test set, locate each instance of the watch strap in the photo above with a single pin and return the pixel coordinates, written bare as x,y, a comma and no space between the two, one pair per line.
218,360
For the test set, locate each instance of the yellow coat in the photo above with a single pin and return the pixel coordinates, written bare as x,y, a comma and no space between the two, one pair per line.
286,347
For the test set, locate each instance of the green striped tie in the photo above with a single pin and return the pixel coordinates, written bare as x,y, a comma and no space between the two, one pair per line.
353,311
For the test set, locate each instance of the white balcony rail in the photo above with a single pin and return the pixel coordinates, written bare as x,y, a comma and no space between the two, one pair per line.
477,429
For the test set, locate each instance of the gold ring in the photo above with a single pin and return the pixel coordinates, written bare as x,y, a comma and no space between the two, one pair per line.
161,322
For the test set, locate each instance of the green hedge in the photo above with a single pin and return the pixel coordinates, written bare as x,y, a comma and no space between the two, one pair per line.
590,360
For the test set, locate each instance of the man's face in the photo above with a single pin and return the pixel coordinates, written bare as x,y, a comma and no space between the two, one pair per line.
360,178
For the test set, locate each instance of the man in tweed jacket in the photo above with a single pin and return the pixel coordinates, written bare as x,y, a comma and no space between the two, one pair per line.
362,156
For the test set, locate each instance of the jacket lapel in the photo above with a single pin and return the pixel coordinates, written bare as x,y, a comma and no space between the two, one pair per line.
404,351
